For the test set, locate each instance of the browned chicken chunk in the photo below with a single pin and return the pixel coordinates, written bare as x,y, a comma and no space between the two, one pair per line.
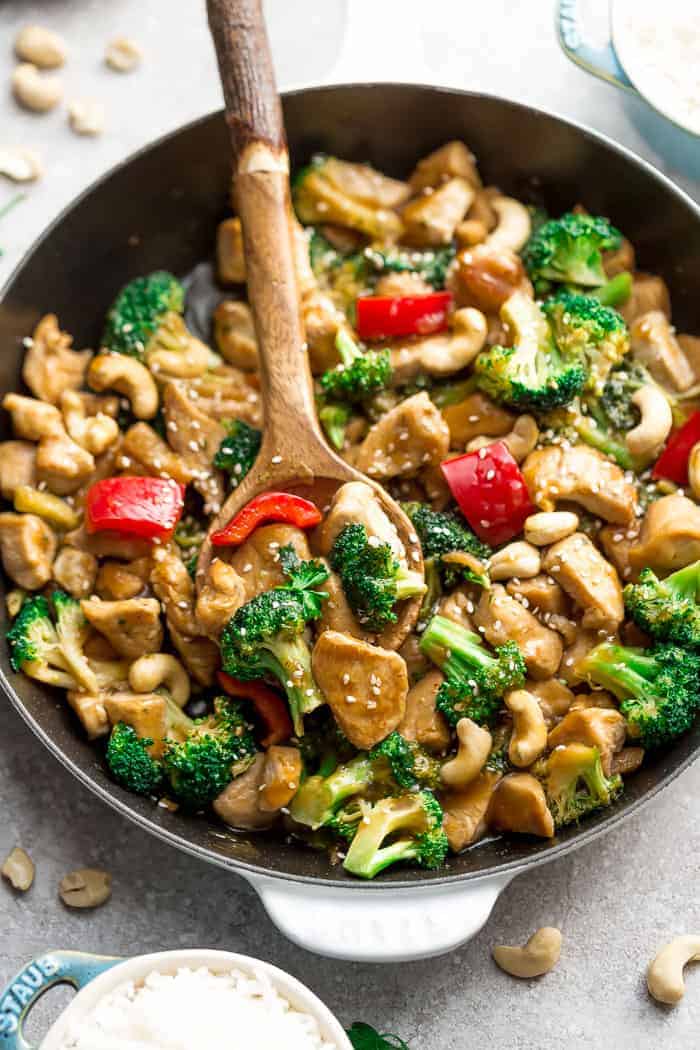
27,549
504,619
596,727
669,537
519,804
238,805
431,219
454,158
196,438
221,594
257,561
234,334
17,466
132,627
582,475
50,366
655,346
466,809
407,438
589,579
75,571
422,722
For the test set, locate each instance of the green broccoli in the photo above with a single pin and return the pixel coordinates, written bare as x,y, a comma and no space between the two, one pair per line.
265,637
667,610
334,419
444,532
586,330
238,450
143,306
52,654
217,749
359,374
372,577
320,797
475,680
432,265
364,1037
130,763
533,374
616,291
396,830
658,688
409,763
569,250
324,745
575,784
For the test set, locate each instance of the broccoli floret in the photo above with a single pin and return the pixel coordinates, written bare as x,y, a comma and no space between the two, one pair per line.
413,826
667,610
238,450
575,783
334,419
475,679
359,374
410,764
658,688
320,797
432,266
569,250
218,748
364,1037
71,630
343,824
616,291
265,637
372,577
144,307
533,374
586,330
443,532
52,654
130,763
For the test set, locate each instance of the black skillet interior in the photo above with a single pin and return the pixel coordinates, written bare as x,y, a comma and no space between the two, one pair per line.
160,210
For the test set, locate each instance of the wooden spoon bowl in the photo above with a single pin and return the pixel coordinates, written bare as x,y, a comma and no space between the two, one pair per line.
294,456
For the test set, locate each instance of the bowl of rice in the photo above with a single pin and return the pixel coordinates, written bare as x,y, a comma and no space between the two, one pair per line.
177,1000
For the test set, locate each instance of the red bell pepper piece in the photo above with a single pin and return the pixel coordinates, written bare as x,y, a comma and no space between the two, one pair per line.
139,506
270,506
673,461
491,492
269,706
380,317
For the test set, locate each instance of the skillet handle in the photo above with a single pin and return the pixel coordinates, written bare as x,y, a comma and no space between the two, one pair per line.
373,924
35,978
600,61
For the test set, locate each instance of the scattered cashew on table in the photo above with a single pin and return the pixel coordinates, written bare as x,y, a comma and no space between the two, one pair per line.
537,957
665,973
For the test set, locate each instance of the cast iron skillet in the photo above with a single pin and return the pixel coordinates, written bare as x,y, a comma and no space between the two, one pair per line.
160,209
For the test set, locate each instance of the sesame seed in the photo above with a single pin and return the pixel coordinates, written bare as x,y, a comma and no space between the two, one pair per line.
276,459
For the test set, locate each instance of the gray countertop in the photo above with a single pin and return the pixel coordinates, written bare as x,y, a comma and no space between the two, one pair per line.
617,900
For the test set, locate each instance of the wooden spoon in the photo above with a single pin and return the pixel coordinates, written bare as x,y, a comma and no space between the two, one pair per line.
294,456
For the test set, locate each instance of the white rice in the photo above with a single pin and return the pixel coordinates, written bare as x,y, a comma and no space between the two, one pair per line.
196,1010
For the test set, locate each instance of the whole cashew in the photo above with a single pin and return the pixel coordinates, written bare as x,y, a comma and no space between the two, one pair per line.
520,441
20,164
694,470
537,957
529,738
94,433
550,527
655,425
123,54
519,559
475,743
86,117
468,335
40,46
514,224
129,377
35,91
155,669
665,973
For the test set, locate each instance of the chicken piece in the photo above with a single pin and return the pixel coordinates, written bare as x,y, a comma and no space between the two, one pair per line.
648,293
62,465
458,606
670,536
32,419
485,276
417,664
91,712
238,805
589,579
582,475
365,686
616,544
95,431
482,209
654,345
435,488
690,345
50,366
582,644
221,595
402,284
355,503
226,392
466,809
234,334
117,581
504,619
132,627
554,699
431,219
619,260
322,321
366,184
452,159
519,804
407,438
199,654
75,571
257,560
230,257
281,777
541,595
475,416
146,713
196,437
627,761
599,698
142,446
17,467
27,549
596,727
441,354
174,586
108,544
336,614
422,722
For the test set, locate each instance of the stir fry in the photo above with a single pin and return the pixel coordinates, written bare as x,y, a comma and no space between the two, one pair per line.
516,383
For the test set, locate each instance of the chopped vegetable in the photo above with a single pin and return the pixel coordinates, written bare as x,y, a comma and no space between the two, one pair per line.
138,506
364,1037
238,451
269,706
490,491
269,506
672,464
382,317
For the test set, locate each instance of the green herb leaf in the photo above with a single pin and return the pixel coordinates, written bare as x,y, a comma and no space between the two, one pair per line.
364,1037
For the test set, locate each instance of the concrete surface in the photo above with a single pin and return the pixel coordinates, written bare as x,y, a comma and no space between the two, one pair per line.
615,901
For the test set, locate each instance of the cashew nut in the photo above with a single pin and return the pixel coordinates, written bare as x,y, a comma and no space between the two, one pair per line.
18,869
694,470
520,441
94,433
123,55
34,91
445,356
176,364
474,746
41,47
537,957
655,425
665,973
519,559
86,117
529,737
514,224
155,669
19,164
471,232
550,527
129,377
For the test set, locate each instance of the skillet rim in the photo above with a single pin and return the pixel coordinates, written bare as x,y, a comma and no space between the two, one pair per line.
586,833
